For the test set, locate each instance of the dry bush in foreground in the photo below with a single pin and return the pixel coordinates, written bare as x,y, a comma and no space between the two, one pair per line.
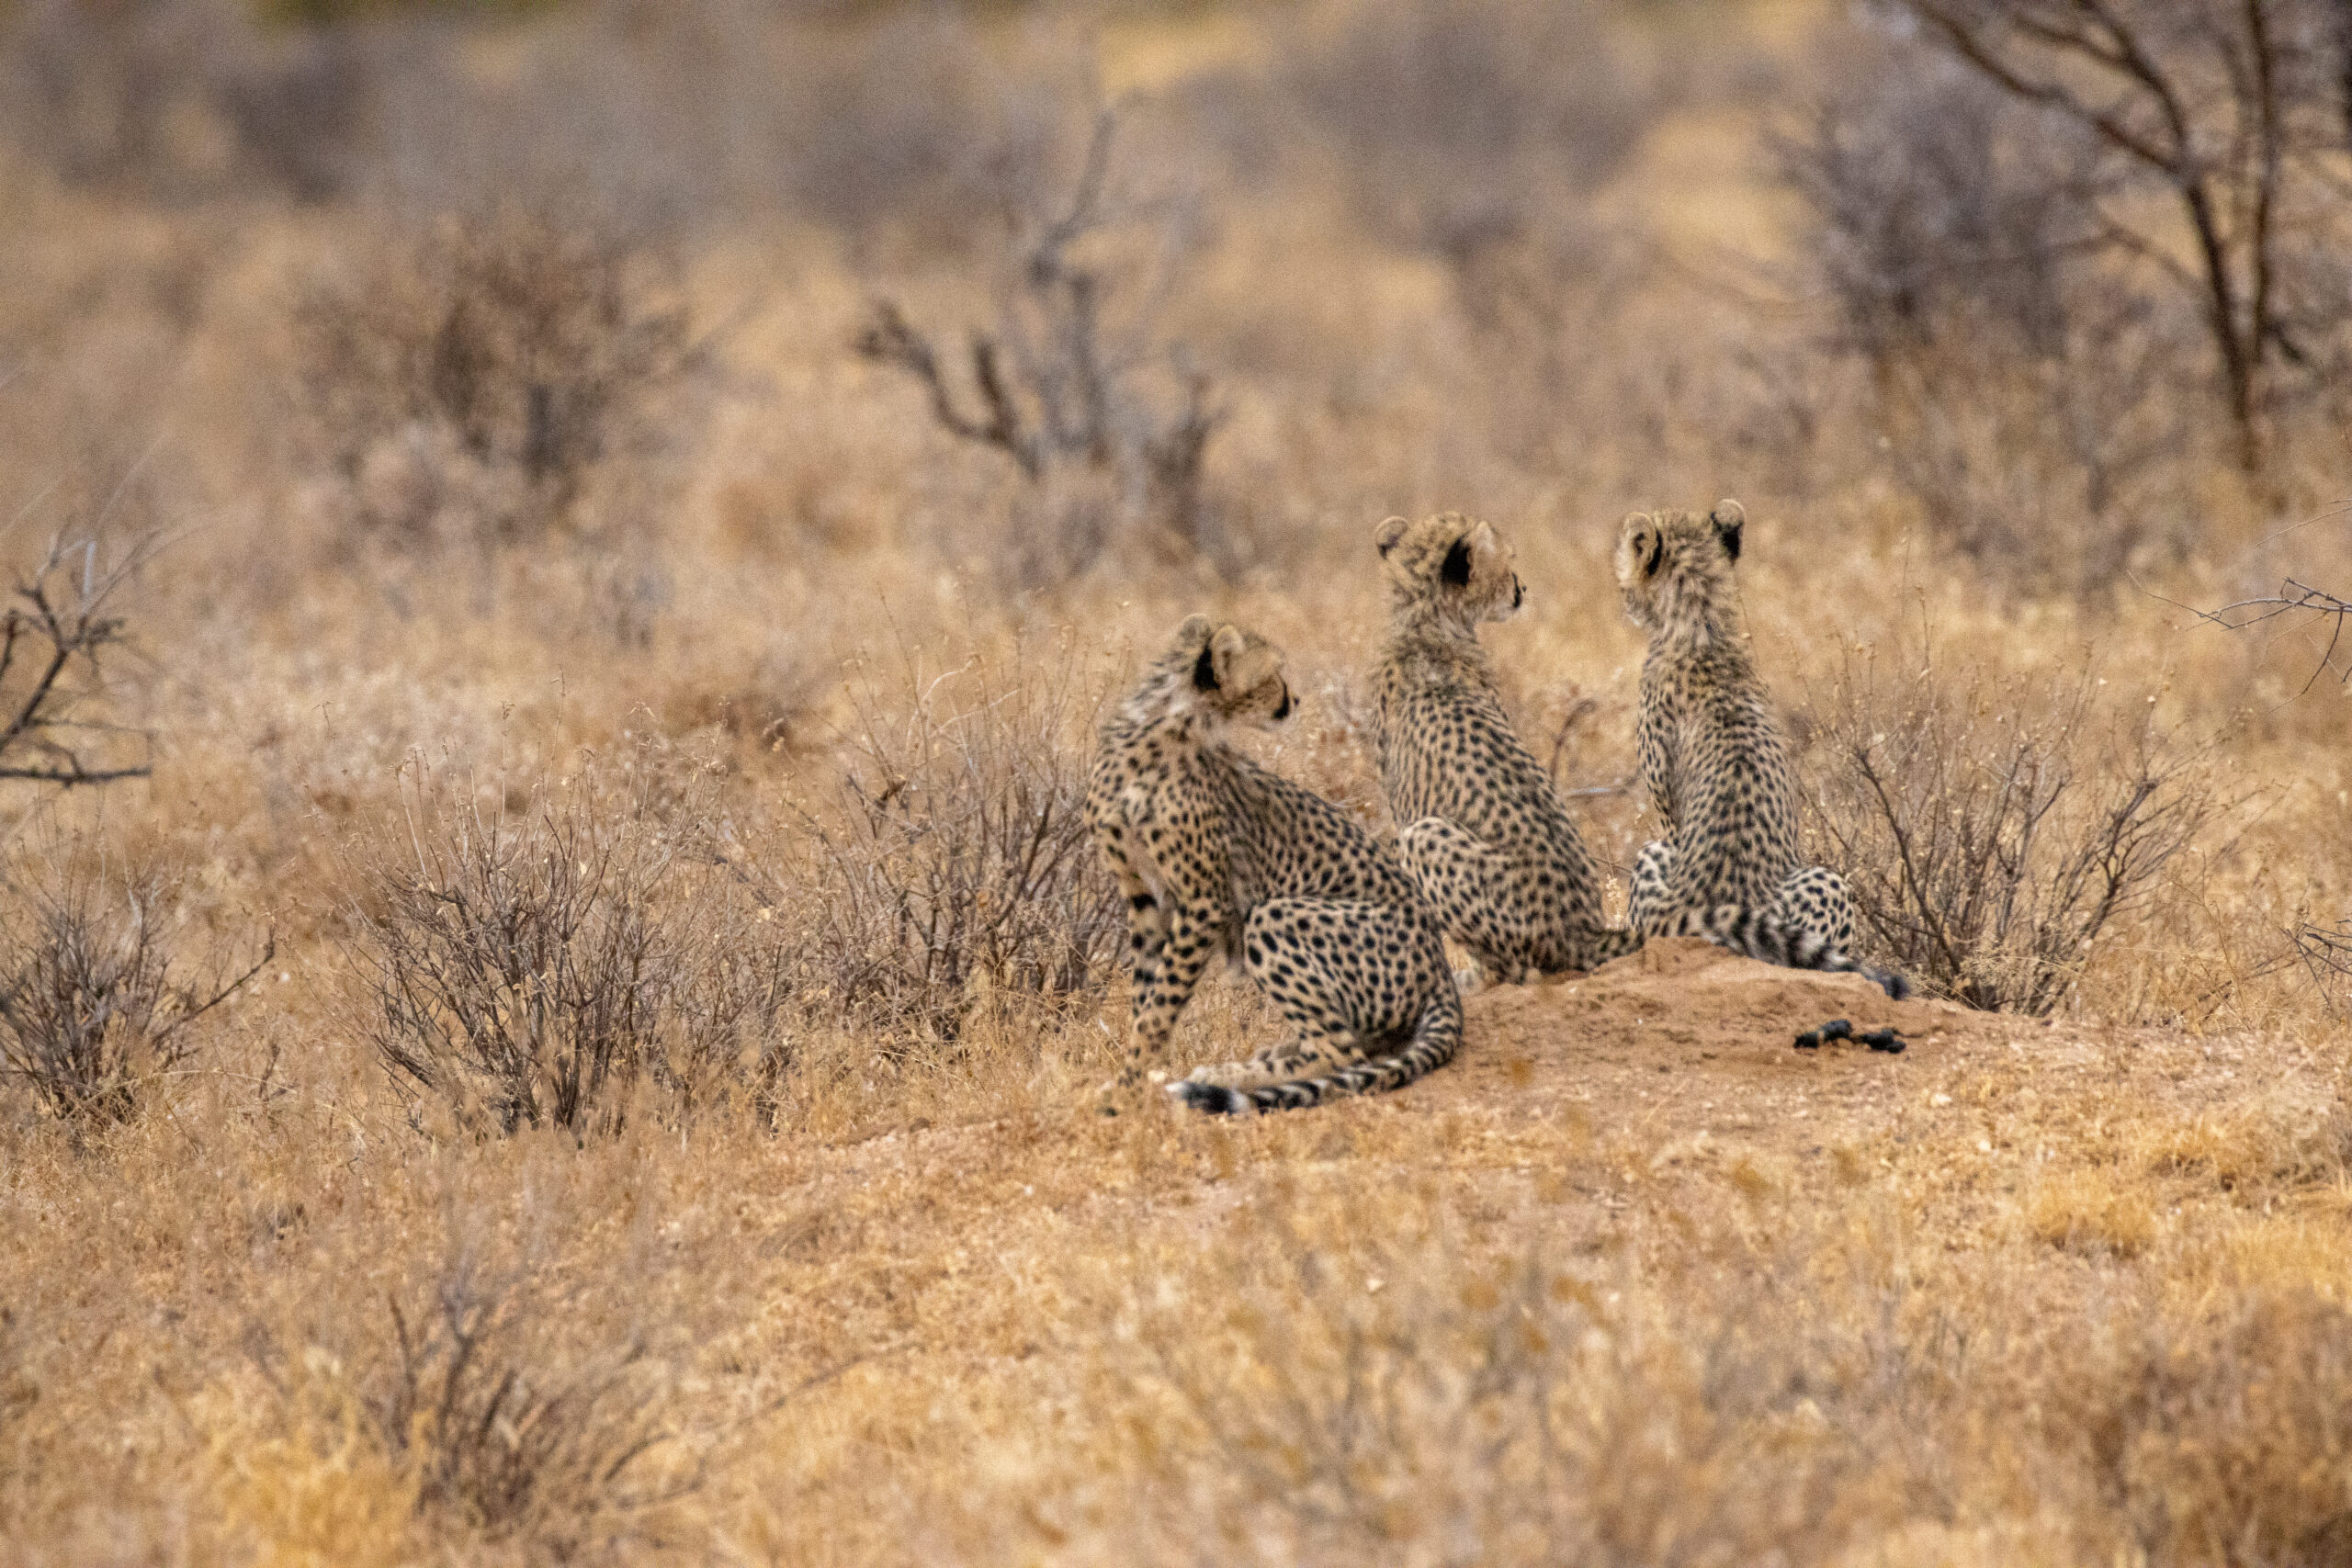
532,969
475,383
2218,1442
510,1429
1991,827
92,1013
1381,1399
954,863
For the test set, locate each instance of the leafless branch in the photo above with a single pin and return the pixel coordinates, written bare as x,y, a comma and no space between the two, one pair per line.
2210,114
2293,598
60,617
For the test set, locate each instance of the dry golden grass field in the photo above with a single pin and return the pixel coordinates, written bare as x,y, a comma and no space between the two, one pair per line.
598,533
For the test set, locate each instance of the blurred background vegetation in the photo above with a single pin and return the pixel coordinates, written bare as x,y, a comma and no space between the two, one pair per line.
566,556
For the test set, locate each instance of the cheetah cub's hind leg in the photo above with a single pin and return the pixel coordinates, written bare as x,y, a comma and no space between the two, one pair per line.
1813,898
1333,969
1651,904
1467,886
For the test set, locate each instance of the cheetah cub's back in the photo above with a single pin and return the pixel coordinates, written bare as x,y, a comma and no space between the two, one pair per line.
1715,763
1481,825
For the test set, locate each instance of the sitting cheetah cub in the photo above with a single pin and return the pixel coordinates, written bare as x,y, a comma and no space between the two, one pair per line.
1480,825
1216,856
1715,763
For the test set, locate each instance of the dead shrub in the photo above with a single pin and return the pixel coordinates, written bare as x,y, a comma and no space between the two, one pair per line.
512,1429
1993,826
2326,953
953,864
533,968
95,1008
1107,426
485,381
2212,146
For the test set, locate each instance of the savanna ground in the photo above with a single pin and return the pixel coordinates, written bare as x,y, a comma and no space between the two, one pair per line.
579,1038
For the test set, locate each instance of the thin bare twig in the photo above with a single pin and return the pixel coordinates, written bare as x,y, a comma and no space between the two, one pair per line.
2292,598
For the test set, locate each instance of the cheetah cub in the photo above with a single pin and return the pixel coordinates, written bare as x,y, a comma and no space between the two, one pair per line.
1481,826
1715,763
1216,856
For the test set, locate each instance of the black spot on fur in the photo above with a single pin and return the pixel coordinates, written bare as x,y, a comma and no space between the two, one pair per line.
1456,569
1729,534
1204,673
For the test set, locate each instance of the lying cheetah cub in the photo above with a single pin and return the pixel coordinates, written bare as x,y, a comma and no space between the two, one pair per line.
1715,763
1217,856
1481,826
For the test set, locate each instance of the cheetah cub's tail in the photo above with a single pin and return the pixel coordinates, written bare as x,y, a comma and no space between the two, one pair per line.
1435,1039
1758,936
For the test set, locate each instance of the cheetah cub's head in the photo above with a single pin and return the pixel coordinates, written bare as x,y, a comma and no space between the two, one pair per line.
1230,675
1455,563
1670,564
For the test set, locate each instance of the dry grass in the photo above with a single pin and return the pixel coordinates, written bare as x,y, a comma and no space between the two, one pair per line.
699,774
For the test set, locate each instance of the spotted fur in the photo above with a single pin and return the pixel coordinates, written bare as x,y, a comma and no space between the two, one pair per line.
1217,856
1482,826
1715,763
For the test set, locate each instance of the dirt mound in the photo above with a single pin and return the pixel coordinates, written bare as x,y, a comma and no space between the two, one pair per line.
1685,1035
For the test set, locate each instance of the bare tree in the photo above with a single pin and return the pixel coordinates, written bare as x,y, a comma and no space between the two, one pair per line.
1057,385
2232,107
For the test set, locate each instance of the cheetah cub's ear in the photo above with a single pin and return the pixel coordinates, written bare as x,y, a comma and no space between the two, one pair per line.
1641,546
1729,517
1193,632
1237,664
1473,549
1384,538
1217,652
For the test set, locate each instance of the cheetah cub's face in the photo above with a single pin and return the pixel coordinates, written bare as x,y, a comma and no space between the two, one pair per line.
1233,677
1458,563
1664,557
